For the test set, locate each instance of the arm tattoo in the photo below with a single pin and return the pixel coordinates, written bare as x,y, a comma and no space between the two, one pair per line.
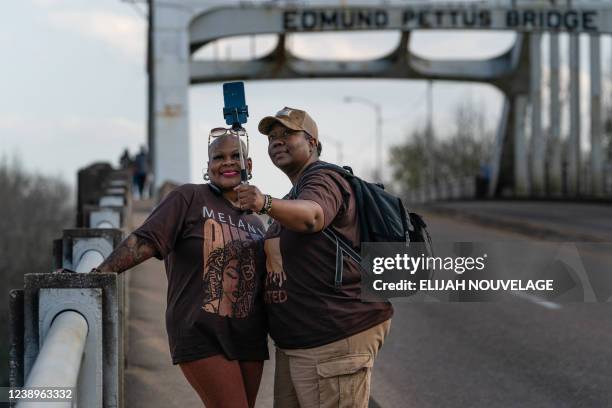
132,251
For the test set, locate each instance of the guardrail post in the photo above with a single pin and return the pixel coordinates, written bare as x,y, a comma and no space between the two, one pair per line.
100,180
97,298
76,242
16,338
107,217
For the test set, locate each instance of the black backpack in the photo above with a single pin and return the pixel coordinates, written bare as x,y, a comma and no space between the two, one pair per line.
382,218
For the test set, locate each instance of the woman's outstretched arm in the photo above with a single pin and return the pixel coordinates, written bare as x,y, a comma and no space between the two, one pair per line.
130,252
297,215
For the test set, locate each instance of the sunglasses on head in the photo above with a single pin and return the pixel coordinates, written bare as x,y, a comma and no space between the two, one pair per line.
220,131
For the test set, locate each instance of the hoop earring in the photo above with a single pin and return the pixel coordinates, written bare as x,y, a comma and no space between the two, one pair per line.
205,175
249,176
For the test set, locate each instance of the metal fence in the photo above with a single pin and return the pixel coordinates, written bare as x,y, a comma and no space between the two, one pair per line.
68,330
457,189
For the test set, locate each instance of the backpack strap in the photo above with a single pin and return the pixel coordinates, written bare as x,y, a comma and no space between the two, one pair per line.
344,172
341,248
342,244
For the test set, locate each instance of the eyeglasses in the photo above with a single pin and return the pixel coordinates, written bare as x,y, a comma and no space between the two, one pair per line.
220,131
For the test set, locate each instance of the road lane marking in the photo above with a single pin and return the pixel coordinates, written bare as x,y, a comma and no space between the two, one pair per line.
537,300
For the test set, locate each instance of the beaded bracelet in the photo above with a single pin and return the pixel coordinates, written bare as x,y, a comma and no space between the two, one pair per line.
267,205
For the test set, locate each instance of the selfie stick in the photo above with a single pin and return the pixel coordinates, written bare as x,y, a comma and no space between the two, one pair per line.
235,113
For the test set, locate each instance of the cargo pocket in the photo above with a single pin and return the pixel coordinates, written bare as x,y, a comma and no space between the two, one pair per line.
344,382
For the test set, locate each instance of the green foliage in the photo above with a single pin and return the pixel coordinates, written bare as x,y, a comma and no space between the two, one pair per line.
34,209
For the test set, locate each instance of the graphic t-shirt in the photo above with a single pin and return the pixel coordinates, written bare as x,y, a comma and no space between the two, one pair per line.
215,267
304,308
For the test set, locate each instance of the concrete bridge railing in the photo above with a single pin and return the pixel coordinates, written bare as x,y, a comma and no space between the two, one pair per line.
67,329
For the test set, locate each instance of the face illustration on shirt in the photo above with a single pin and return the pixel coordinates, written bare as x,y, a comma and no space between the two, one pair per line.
231,280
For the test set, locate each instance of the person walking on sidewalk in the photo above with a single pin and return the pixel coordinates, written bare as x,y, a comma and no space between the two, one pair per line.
326,338
141,171
213,254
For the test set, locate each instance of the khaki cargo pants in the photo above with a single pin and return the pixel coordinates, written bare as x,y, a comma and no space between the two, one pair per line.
333,375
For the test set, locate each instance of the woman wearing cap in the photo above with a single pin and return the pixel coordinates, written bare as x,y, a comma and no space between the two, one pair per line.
326,338
213,255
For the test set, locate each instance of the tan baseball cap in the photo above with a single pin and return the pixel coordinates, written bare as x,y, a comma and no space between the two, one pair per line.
294,119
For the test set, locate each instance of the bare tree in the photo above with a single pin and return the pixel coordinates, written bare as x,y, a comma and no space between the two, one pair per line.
34,210
456,155
409,160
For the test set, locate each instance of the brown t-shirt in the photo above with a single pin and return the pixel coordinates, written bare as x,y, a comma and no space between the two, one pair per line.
213,254
304,309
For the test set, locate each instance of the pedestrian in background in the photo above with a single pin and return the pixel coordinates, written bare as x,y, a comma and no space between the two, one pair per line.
125,161
141,171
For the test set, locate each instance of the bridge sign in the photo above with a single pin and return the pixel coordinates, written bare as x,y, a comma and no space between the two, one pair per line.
447,17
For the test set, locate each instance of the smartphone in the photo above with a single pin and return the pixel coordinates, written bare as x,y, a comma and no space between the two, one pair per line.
235,110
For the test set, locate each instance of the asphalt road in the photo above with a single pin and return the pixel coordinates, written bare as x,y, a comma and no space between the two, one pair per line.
518,354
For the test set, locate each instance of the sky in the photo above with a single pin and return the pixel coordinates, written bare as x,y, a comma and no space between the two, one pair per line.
73,82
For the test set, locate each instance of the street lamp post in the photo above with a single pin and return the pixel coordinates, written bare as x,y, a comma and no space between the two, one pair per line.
378,114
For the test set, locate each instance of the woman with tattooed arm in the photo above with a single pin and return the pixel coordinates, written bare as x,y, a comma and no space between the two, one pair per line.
212,252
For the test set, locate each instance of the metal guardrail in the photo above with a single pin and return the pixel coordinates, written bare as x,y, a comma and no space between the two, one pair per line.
468,188
456,189
89,260
68,339
59,360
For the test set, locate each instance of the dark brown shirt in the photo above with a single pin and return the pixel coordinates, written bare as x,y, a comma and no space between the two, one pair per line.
215,267
304,309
